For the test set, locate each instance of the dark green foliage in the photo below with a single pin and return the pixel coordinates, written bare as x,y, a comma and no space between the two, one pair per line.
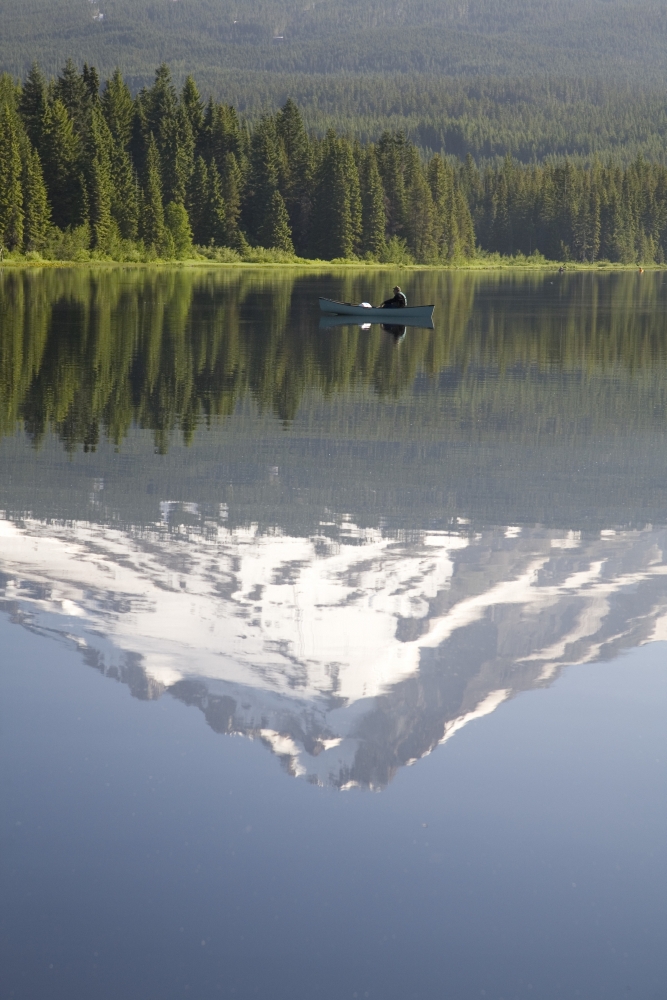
152,209
74,91
125,194
232,186
198,202
573,37
36,211
118,109
216,213
297,171
194,109
11,191
61,152
263,178
336,216
99,180
32,104
374,220
177,225
391,154
111,164
275,232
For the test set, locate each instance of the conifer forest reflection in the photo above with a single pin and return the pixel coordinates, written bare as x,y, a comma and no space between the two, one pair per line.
89,354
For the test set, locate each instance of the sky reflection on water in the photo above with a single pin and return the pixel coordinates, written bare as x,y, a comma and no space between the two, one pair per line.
349,553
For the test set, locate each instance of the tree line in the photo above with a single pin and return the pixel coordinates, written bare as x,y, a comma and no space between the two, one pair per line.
86,168
89,171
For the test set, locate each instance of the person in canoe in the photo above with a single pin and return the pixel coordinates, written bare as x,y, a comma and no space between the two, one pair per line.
398,301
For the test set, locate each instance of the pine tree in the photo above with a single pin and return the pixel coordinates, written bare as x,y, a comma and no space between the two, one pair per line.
222,134
275,231
178,226
61,166
152,214
419,224
453,227
118,109
125,199
232,185
198,202
91,81
374,219
100,182
36,210
465,245
336,215
194,109
11,191
391,151
73,91
177,157
216,212
295,185
32,105
263,177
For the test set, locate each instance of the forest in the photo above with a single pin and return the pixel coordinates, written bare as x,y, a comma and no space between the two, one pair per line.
487,77
89,171
611,39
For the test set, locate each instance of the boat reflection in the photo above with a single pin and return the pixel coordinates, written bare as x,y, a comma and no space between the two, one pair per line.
329,322
350,652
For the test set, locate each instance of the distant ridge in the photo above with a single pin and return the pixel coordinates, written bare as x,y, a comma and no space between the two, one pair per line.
606,38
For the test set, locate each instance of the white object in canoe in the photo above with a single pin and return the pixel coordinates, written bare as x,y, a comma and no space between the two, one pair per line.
404,317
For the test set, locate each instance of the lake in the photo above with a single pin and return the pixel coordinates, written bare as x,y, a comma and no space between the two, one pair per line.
332,661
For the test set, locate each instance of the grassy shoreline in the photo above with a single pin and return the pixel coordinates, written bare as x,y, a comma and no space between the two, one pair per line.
492,263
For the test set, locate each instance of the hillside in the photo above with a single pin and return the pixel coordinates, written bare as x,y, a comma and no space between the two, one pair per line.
609,38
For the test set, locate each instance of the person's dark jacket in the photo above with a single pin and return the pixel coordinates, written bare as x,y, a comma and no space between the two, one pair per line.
398,301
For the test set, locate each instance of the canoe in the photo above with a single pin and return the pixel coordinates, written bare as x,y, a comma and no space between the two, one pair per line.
407,316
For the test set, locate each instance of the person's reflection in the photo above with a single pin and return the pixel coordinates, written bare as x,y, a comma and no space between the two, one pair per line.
397,332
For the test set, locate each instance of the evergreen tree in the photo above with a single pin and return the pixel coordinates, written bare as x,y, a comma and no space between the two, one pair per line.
198,202
61,166
91,81
232,186
336,215
152,213
216,213
11,191
74,92
263,177
222,134
32,105
177,157
100,182
193,107
391,151
296,182
36,211
118,109
275,231
125,197
178,227
374,219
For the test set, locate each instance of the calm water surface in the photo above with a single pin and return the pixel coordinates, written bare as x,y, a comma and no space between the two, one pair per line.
332,664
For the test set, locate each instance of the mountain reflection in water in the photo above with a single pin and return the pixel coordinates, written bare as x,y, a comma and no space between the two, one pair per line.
348,653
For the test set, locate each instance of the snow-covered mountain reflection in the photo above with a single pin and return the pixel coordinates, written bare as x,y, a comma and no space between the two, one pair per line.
348,653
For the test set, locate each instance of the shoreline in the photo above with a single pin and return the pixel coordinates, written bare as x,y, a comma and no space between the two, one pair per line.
509,264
